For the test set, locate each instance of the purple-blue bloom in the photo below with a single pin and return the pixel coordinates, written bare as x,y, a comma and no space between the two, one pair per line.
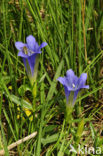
29,51
73,84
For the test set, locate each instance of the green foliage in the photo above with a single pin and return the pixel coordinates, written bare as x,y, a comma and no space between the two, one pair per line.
74,33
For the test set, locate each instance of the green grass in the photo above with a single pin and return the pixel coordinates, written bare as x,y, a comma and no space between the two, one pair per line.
72,44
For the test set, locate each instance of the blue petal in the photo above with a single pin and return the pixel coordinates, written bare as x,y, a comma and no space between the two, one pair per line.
31,61
75,96
62,80
82,80
22,54
72,78
27,66
42,45
24,61
85,86
67,93
32,44
19,45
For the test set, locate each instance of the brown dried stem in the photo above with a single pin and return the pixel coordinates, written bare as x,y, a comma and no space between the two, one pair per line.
2,152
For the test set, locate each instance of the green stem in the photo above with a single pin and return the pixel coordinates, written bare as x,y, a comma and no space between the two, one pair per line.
40,133
34,93
68,115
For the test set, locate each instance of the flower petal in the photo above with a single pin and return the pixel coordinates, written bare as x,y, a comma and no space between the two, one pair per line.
75,96
85,86
31,61
62,80
82,80
27,66
72,78
42,45
24,61
21,54
32,44
67,93
19,45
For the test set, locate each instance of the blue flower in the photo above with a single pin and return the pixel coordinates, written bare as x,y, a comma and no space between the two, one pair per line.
29,52
73,84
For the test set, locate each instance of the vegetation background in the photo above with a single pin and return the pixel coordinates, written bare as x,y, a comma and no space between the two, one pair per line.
73,30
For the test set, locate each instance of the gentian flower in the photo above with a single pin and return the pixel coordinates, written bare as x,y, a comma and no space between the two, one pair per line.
72,85
29,52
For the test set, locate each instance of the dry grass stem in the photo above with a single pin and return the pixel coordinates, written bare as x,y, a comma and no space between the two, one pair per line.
2,152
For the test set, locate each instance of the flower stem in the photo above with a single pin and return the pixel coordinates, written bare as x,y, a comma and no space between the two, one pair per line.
34,93
68,115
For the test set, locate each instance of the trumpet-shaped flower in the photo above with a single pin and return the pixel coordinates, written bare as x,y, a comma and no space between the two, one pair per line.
29,51
72,85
